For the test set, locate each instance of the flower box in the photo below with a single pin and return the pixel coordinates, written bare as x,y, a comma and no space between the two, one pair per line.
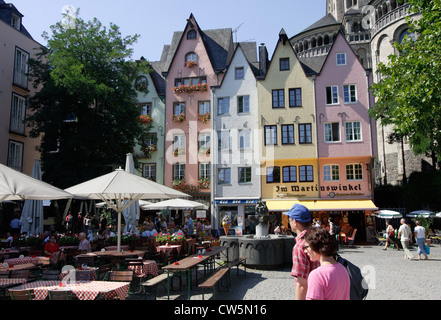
190,64
145,119
204,183
178,118
203,87
178,184
204,117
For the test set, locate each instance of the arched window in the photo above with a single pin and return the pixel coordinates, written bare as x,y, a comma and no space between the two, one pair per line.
320,41
191,34
405,33
190,59
313,43
326,41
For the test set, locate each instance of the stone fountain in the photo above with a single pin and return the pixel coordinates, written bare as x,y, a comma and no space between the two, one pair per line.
262,250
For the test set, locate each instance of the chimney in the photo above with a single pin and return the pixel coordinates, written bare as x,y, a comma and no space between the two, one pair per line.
263,59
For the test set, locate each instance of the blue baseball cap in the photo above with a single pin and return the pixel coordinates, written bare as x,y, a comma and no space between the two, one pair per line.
299,212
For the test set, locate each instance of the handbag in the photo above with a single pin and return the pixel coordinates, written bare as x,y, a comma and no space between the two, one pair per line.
427,249
391,234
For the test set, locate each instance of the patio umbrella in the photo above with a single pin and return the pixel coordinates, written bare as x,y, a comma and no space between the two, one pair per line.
32,213
15,185
421,214
131,214
438,215
119,189
175,204
141,203
387,214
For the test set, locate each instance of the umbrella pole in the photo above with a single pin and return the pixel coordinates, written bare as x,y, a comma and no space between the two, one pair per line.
119,233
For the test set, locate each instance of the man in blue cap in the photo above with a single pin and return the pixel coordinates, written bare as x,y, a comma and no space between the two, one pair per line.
300,221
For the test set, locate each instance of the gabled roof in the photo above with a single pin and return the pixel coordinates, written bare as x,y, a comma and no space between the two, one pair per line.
6,11
284,38
218,44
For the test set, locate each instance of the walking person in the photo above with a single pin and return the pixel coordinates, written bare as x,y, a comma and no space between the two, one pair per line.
299,219
330,281
405,236
420,236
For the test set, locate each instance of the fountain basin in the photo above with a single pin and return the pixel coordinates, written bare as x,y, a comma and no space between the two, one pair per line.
269,252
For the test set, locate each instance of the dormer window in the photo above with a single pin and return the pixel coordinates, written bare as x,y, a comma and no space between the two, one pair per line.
15,22
191,34
190,59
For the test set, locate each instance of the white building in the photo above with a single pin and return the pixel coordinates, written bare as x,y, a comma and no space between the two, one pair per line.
235,144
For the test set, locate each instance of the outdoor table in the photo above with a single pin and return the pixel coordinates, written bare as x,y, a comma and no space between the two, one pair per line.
186,264
169,248
148,267
93,271
8,282
28,260
84,290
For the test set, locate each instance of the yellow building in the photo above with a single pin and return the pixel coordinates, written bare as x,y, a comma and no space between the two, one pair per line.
289,159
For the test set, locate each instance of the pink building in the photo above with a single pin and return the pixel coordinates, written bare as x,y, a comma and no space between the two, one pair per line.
195,62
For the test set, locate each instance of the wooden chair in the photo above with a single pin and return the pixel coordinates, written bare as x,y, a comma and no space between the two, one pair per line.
20,274
123,276
4,274
87,260
60,295
50,274
24,294
84,275
351,238
103,271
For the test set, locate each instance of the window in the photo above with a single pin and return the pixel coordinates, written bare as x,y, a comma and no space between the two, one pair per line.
179,108
239,73
224,176
15,22
354,172
306,174
305,133
204,141
290,174
146,109
179,171
204,170
151,139
149,171
332,95
190,81
191,57
273,175
331,172
353,131
191,34
224,140
223,105
18,112
245,175
295,97
284,64
341,59
279,98
243,104
288,134
332,132
141,83
179,143
350,93
270,135
245,139
204,107
21,68
15,155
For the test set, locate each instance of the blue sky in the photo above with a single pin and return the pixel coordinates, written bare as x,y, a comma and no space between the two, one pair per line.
155,21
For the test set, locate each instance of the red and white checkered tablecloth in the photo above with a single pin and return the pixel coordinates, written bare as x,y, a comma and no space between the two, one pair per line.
88,290
18,267
110,289
148,267
24,260
12,281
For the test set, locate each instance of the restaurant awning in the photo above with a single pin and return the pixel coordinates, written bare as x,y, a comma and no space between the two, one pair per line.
322,205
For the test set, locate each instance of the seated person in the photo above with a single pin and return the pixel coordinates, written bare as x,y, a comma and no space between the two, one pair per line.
149,231
9,240
51,246
178,231
84,244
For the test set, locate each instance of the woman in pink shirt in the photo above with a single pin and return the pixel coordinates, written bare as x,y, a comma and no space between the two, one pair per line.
330,281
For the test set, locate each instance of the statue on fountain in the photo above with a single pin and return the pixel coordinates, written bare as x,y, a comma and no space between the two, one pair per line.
262,218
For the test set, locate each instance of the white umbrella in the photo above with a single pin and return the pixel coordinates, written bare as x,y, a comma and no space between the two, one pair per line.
421,214
131,214
15,185
387,214
141,203
119,189
32,213
438,215
175,204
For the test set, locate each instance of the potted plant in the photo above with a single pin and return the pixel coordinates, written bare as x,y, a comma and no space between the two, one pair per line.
178,117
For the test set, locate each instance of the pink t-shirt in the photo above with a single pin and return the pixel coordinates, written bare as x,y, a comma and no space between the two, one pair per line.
329,282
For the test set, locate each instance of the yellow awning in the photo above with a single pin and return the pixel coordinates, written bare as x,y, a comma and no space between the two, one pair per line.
322,205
